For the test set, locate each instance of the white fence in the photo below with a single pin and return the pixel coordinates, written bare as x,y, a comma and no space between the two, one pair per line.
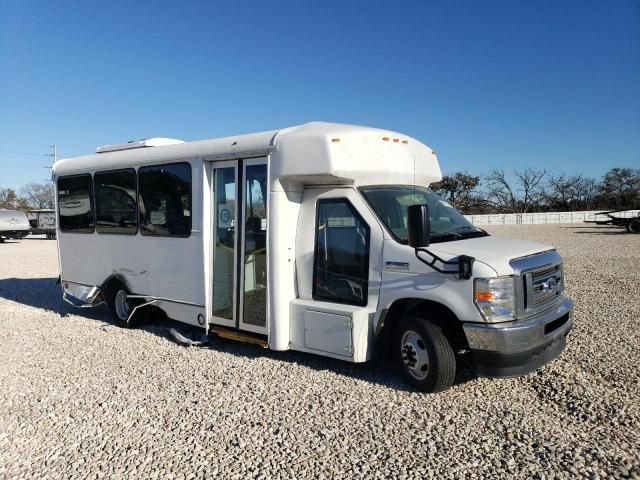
542,218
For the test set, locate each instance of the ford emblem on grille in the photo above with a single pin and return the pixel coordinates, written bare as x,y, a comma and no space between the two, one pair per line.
550,285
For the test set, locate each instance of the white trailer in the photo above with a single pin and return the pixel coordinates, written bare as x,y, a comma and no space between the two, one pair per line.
321,238
13,224
43,222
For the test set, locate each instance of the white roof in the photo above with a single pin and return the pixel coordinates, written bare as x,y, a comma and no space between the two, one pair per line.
316,152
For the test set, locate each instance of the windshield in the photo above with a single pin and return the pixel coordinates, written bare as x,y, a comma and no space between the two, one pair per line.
390,203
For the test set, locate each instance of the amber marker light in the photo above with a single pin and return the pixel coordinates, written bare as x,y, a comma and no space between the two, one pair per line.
335,140
405,141
386,139
484,296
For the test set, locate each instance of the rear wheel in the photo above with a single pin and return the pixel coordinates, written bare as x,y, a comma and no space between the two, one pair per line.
424,354
634,226
120,306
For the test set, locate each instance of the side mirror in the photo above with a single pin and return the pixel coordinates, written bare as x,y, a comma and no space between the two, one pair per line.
419,226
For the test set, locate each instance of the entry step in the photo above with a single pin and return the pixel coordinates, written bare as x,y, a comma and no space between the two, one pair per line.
238,336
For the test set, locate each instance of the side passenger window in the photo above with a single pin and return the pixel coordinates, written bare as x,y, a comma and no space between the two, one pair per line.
116,208
341,257
75,204
165,200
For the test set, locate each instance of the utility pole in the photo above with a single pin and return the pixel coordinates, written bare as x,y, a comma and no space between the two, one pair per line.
54,156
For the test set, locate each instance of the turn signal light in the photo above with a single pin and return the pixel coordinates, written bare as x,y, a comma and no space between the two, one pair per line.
484,296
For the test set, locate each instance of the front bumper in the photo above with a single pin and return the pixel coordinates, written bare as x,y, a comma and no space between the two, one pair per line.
510,349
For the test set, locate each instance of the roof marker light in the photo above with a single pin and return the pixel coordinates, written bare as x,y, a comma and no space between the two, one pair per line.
386,139
405,141
335,140
396,140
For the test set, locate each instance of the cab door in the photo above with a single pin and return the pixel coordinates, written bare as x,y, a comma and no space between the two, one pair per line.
339,264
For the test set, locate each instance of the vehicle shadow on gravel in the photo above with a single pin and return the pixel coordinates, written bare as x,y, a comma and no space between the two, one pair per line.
44,293
380,371
41,293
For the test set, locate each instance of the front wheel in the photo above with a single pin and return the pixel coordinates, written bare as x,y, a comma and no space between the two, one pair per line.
634,226
426,357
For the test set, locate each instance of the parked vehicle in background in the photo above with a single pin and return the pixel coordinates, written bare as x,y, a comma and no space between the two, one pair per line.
322,238
13,224
43,222
632,224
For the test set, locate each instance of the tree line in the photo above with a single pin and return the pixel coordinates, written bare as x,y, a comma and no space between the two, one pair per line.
527,190
537,190
33,196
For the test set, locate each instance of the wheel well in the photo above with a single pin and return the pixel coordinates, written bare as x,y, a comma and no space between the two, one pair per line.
112,283
435,312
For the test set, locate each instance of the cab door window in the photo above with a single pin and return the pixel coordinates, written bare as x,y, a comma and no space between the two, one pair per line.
341,255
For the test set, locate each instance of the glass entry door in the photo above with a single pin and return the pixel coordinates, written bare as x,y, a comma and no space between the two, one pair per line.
224,179
253,305
239,211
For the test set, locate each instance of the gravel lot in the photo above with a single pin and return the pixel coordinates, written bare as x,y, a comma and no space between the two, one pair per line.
82,398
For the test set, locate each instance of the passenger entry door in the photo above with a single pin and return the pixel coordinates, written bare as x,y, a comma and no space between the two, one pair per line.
239,211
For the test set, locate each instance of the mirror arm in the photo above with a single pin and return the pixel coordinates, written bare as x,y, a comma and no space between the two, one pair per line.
464,263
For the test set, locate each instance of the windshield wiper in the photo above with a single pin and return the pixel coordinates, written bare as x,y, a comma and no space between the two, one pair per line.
477,233
443,235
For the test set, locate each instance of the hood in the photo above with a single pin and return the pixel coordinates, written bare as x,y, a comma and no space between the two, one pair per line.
496,252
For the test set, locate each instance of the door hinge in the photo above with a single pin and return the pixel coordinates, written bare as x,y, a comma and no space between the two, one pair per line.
348,349
348,324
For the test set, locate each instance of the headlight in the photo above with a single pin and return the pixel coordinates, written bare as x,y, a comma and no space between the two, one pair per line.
495,298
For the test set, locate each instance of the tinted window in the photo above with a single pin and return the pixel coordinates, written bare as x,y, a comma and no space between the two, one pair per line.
75,204
116,210
165,200
341,258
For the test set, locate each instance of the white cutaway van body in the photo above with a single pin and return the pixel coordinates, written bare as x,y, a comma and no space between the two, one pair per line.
300,238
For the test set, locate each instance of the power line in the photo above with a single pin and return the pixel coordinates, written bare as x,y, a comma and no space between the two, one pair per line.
17,152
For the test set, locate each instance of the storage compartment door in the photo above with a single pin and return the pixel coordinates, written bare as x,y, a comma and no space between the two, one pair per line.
328,332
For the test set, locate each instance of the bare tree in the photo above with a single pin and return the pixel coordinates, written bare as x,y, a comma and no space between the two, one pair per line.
38,195
519,195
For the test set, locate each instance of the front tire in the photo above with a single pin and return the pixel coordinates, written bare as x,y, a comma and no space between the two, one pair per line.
424,354
634,226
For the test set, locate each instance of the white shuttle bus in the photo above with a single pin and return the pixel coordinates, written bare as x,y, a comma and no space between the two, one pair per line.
322,238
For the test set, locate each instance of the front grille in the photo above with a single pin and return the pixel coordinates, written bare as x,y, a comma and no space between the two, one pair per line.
546,284
540,282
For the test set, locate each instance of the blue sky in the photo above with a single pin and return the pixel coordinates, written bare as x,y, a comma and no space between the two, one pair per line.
488,84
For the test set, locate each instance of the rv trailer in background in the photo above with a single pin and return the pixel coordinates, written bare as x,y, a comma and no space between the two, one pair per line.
43,222
13,224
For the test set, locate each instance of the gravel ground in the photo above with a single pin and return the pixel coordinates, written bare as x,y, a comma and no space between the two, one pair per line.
82,398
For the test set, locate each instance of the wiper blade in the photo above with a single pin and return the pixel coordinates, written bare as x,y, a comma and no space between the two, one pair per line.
477,233
446,235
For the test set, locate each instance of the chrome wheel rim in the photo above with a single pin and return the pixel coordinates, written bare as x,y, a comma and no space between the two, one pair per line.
122,305
414,355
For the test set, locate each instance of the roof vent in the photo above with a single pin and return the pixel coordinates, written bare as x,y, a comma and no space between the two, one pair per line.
151,142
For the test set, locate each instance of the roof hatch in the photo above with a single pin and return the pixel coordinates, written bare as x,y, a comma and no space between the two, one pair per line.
145,142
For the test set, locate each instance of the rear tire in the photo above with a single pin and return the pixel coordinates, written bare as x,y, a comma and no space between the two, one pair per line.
424,355
120,305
